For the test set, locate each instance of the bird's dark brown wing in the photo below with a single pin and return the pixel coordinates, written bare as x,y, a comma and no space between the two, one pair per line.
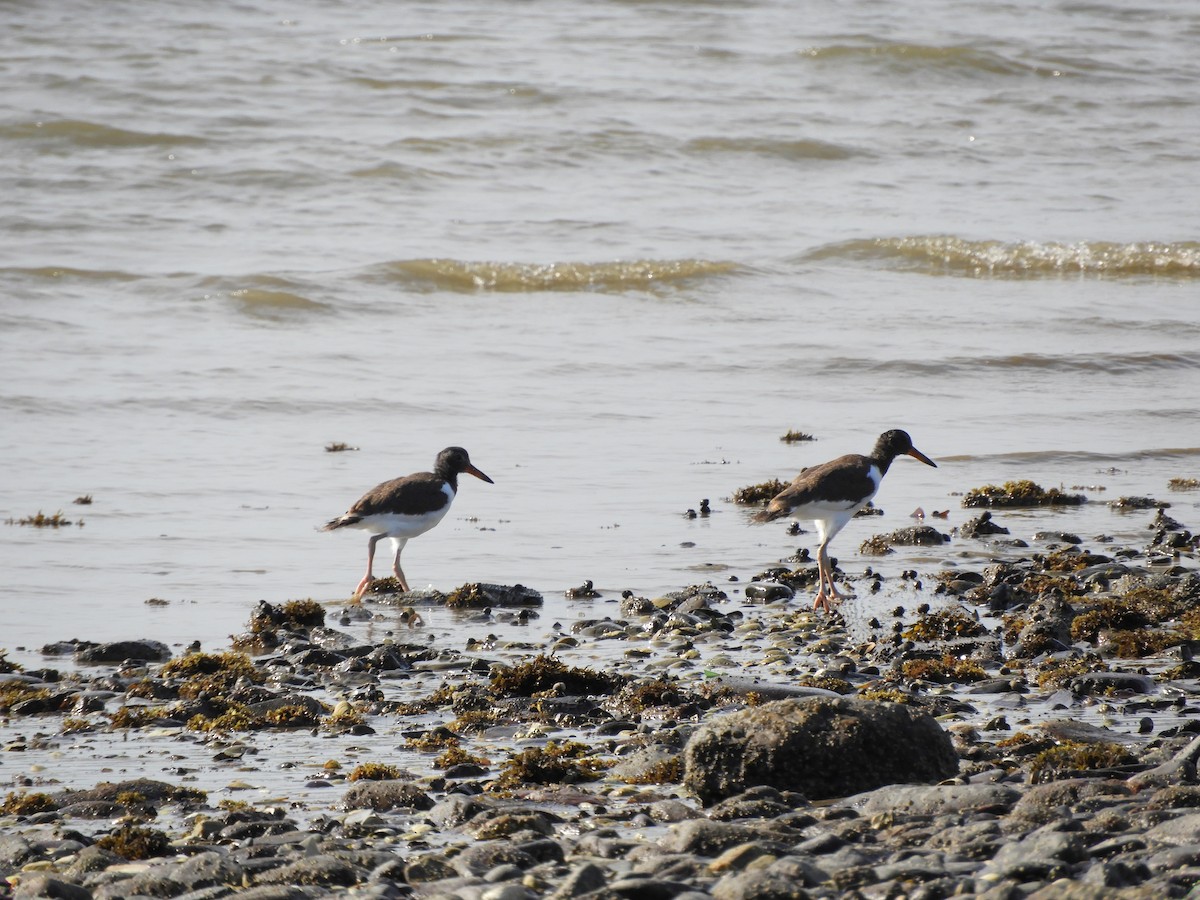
416,494
841,480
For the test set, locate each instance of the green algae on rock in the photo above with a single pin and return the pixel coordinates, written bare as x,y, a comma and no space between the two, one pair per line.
1015,494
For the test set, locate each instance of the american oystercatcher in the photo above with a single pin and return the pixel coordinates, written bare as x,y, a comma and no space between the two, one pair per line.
406,507
830,494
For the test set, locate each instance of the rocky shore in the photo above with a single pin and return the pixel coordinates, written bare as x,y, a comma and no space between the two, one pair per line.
1024,727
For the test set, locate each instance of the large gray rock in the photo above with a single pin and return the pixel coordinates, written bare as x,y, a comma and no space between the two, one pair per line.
821,747
384,795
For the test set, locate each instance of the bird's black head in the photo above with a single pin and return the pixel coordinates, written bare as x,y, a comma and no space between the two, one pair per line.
453,461
897,443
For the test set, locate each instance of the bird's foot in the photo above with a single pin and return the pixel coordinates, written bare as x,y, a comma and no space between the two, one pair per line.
362,586
826,597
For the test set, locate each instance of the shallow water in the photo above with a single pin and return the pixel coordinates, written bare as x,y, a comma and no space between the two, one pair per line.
615,250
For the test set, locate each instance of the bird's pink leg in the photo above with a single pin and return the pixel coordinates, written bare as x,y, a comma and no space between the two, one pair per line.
826,590
368,578
399,572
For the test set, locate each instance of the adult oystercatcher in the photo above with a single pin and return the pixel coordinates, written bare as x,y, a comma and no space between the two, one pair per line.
406,507
830,494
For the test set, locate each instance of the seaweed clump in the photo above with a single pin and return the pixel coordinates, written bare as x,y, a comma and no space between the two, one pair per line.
1057,673
757,494
665,771
294,615
794,437
373,771
1015,494
545,673
27,804
944,625
570,762
41,520
214,674
947,669
636,698
1068,759
135,843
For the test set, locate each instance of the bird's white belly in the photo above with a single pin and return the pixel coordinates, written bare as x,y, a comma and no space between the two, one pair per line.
400,525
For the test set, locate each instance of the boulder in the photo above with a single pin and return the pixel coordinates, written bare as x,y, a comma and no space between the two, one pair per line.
820,747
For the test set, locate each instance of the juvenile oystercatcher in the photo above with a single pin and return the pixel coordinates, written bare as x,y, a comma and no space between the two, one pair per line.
830,494
406,507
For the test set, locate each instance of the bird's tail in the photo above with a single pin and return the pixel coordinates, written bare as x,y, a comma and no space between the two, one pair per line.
340,522
770,514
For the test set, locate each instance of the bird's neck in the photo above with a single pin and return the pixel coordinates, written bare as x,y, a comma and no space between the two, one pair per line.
883,460
449,476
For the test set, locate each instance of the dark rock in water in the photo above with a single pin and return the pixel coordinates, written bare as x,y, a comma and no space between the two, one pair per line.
981,526
584,591
385,795
632,605
119,651
308,703
913,536
768,591
1104,682
1130,503
820,747
1064,537
479,595
66,648
1049,628
1017,494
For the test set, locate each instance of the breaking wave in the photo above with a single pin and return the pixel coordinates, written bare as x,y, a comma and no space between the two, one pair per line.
943,255
460,275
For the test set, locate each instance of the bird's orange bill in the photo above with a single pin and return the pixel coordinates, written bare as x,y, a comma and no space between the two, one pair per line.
917,454
474,471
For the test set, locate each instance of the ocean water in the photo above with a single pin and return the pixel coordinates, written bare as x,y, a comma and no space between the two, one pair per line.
614,249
